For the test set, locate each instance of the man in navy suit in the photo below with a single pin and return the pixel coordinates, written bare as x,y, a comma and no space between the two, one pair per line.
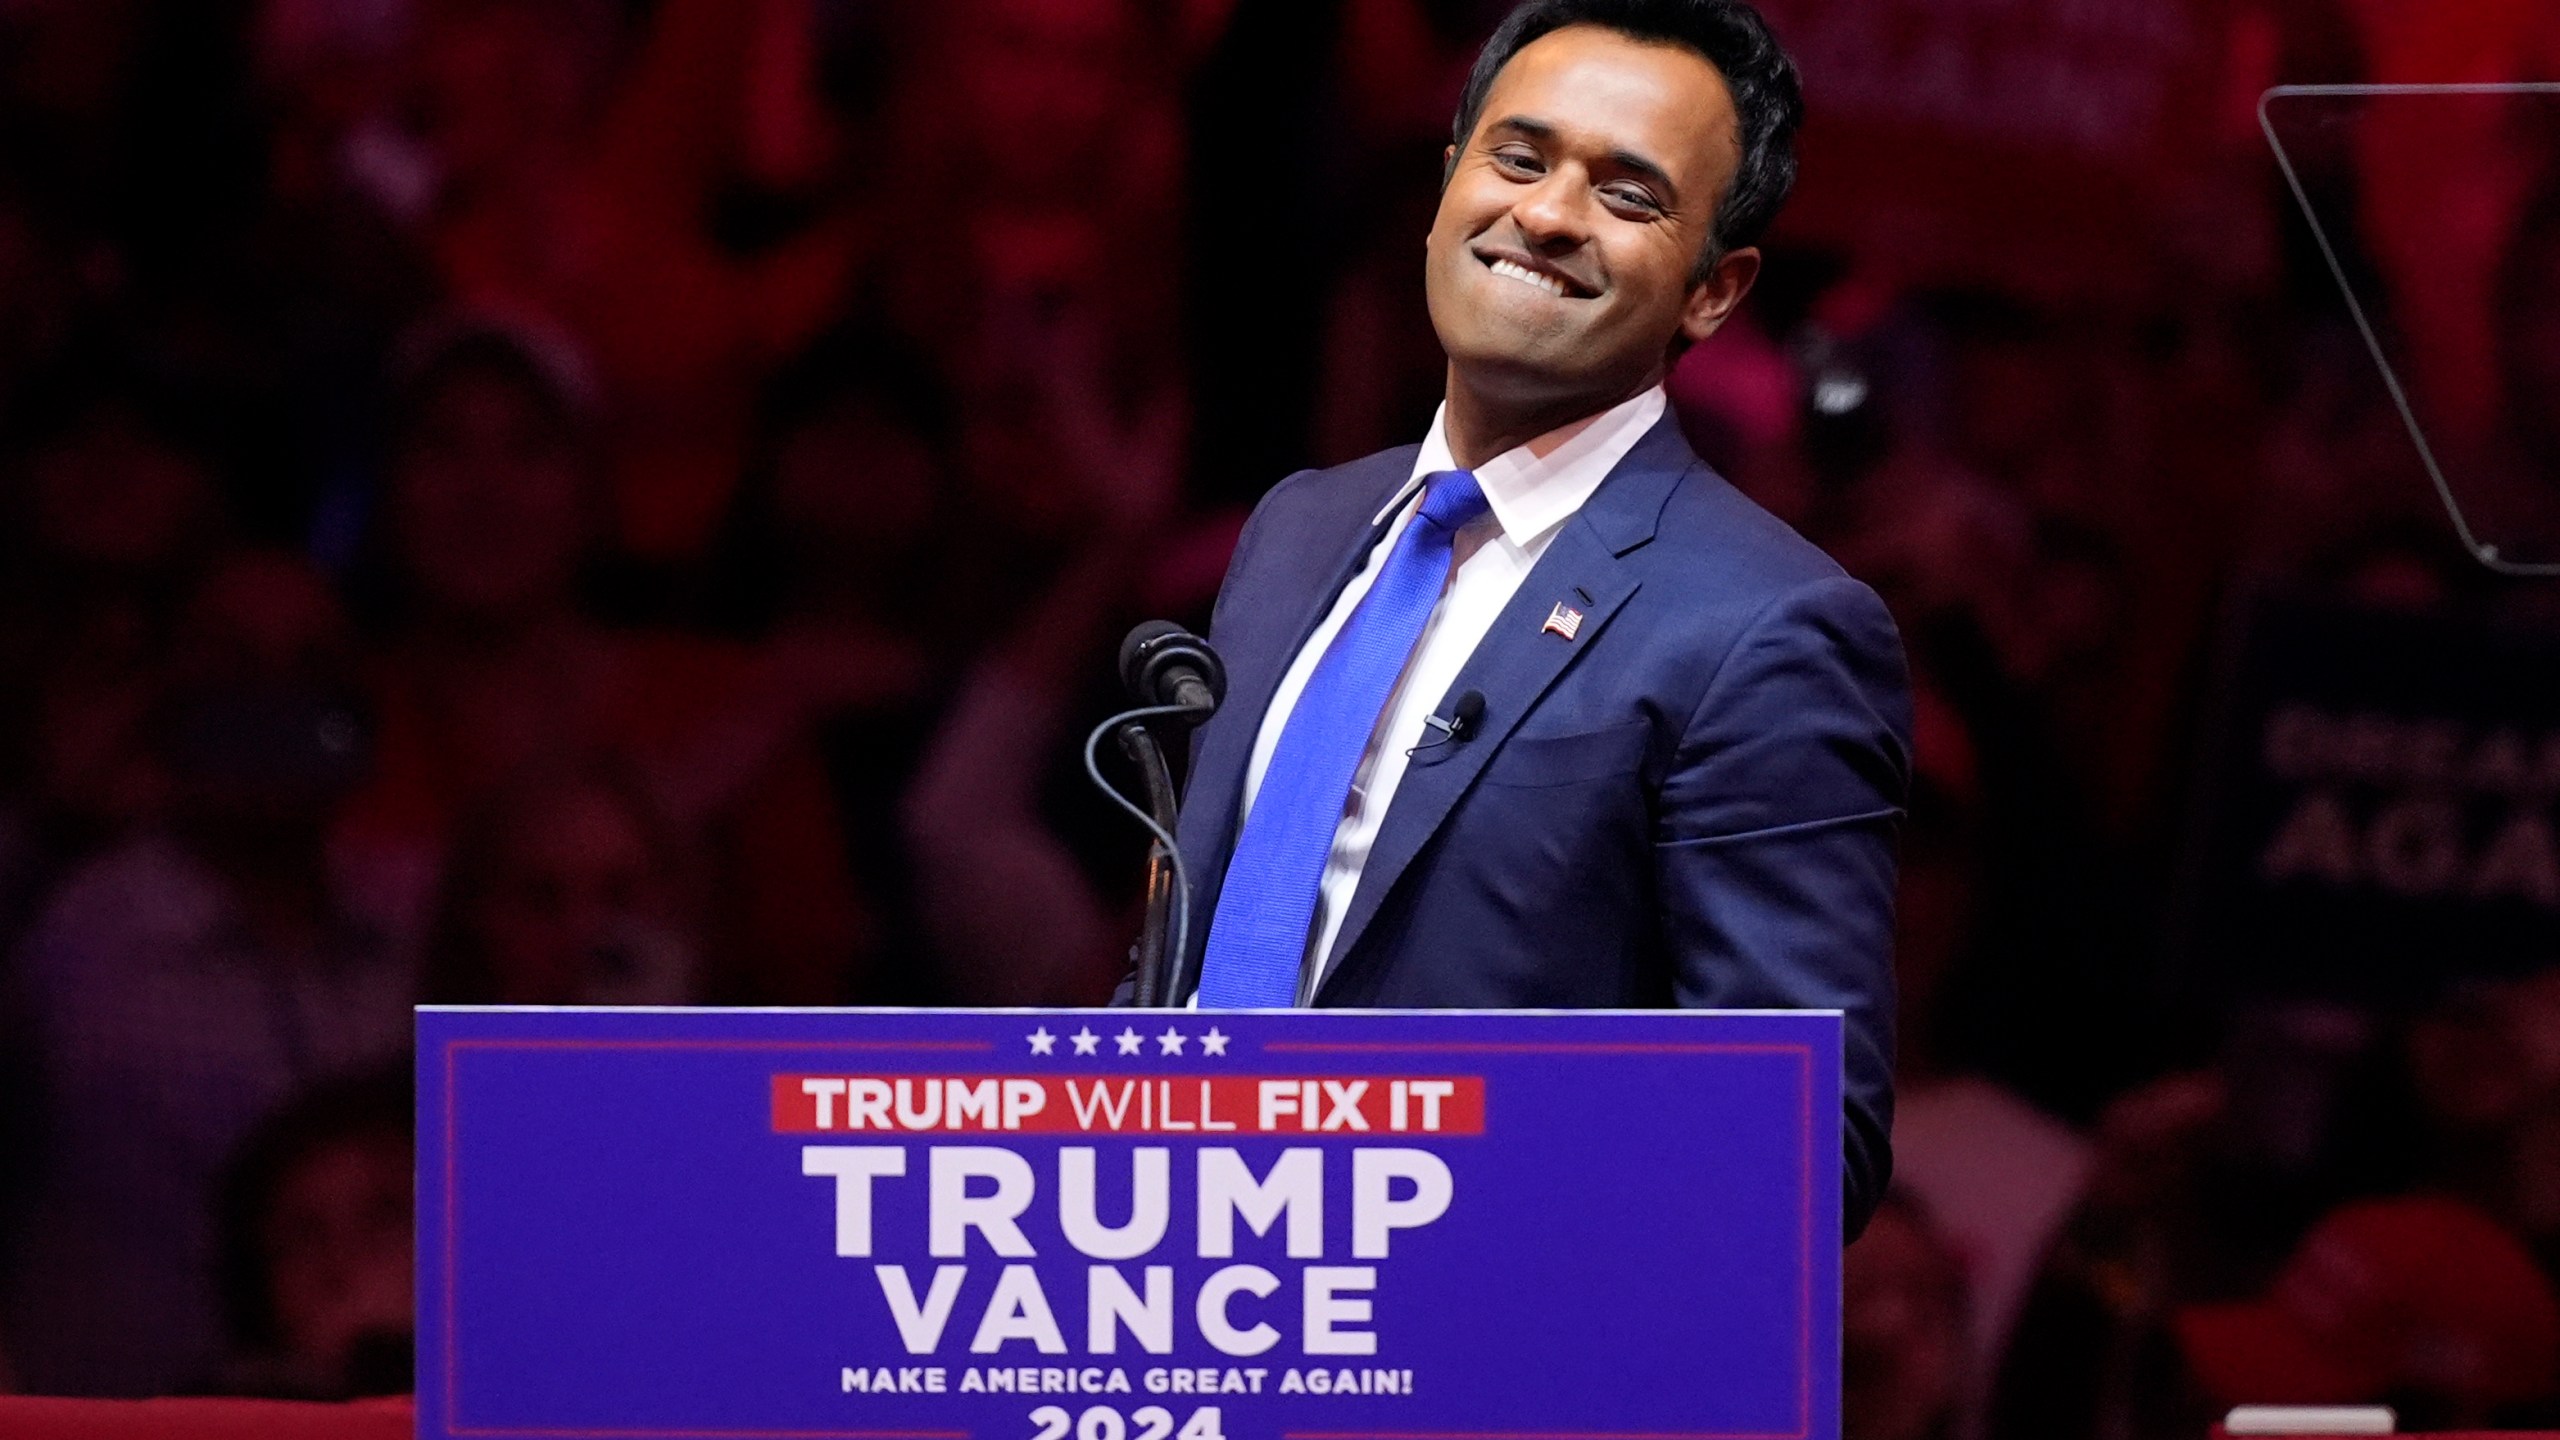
1544,714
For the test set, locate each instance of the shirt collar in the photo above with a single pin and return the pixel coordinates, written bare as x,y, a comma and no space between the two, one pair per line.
1533,488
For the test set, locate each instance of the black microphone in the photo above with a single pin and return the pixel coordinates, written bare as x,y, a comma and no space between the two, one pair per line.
1464,719
1164,664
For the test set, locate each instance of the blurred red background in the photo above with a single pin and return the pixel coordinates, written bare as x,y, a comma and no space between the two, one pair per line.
632,501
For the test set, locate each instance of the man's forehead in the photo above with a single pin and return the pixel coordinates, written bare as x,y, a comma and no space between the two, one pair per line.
1589,83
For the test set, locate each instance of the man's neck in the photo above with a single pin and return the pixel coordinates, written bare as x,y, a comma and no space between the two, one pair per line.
1479,428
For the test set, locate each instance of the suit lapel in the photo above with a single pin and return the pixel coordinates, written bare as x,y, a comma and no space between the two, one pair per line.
1518,660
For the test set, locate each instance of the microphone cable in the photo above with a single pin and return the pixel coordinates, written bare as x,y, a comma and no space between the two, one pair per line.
1179,951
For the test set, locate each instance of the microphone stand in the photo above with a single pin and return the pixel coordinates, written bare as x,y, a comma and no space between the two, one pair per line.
1155,988
1160,662
1165,940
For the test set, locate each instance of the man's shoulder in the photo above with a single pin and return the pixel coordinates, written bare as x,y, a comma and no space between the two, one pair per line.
1720,572
1355,487
1752,552
1313,512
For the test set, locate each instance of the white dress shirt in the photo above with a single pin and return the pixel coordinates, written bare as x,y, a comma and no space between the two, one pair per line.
1532,491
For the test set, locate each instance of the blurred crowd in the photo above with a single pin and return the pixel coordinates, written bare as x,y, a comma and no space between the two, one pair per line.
632,502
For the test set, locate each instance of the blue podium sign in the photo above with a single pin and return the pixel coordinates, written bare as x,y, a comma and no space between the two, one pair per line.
1128,1225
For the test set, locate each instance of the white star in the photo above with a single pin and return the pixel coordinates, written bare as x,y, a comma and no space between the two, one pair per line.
1085,1040
1169,1043
1129,1042
1042,1042
1214,1043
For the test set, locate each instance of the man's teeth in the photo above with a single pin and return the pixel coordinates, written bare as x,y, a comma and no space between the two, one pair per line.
1527,276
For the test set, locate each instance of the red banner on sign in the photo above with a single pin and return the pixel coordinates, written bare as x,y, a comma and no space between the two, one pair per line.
1204,1105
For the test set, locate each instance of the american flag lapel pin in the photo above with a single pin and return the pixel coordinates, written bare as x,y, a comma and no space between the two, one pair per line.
1563,620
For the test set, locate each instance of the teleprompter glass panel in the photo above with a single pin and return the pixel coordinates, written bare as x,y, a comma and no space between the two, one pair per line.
2437,210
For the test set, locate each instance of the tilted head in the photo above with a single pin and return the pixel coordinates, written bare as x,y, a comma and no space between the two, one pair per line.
1613,166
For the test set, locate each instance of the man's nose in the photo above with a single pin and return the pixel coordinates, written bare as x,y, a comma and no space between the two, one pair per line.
1555,215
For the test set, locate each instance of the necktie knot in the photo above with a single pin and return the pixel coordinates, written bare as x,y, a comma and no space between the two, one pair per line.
1452,498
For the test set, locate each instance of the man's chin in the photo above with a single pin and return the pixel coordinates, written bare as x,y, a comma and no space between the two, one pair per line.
1539,370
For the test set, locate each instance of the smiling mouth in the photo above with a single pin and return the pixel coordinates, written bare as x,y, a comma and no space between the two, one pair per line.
1554,285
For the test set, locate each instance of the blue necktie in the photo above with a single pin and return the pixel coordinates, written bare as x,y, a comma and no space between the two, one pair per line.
1267,908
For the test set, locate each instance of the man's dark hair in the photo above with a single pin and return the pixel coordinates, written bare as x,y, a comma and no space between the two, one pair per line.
1768,99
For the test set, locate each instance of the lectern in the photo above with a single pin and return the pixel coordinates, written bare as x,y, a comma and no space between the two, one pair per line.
1128,1225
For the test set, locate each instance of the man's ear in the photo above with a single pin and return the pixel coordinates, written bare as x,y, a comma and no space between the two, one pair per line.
1718,293
1448,165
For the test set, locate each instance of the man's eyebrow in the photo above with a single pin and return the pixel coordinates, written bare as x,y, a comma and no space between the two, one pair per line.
1524,125
1530,127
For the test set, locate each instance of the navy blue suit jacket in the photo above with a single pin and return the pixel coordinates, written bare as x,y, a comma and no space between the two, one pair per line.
1691,802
